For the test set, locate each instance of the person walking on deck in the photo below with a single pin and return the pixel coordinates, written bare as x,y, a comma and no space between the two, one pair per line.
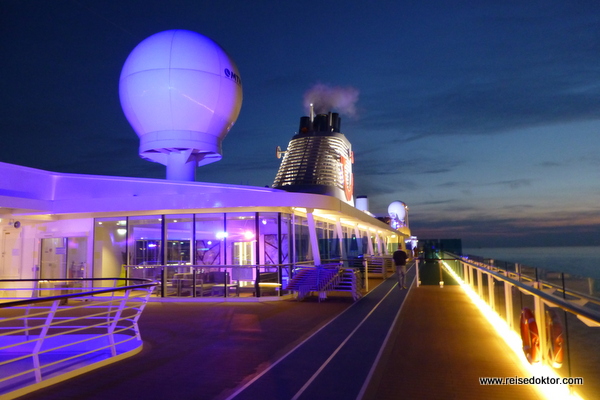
400,258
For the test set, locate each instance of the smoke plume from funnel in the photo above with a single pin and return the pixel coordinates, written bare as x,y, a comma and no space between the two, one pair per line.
332,98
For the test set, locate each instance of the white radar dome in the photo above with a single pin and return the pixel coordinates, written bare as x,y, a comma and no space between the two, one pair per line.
397,209
181,93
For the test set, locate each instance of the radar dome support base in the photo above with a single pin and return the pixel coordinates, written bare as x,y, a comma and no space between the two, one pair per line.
181,166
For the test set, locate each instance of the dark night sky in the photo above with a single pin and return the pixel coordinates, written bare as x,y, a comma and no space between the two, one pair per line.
482,116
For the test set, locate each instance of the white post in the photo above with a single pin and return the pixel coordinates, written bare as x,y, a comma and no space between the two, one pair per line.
509,305
471,277
378,241
114,319
340,233
370,244
312,233
491,291
540,318
38,344
418,277
366,267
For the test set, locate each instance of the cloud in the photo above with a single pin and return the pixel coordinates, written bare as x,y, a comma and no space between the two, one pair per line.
483,229
499,73
512,184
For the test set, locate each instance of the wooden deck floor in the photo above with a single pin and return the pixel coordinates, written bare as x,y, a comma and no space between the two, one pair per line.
440,347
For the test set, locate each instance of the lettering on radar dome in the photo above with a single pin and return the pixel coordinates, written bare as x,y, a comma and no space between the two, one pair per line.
233,76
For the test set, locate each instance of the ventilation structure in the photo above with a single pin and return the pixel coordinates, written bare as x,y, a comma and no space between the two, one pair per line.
318,159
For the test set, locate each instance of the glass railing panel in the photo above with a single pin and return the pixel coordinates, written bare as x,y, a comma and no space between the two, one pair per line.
580,285
216,282
501,266
510,268
270,284
456,266
499,299
245,278
484,290
527,273
570,345
552,282
475,282
582,356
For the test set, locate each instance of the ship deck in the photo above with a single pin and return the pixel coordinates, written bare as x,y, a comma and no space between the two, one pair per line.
426,342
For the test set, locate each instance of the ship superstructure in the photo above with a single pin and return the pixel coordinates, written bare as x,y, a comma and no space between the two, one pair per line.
318,159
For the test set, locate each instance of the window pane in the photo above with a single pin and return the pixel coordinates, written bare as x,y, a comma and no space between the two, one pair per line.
179,238
302,239
269,238
110,246
210,236
241,238
145,238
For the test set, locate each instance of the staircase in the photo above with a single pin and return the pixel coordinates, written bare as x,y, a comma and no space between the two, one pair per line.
314,279
380,266
326,279
349,282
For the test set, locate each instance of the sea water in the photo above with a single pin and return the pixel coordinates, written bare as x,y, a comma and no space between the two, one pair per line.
583,261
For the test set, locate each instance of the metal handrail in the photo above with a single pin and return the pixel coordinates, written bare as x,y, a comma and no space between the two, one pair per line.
556,301
15,303
45,337
159,273
547,284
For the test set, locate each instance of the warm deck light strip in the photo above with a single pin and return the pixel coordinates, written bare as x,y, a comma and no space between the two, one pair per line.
512,339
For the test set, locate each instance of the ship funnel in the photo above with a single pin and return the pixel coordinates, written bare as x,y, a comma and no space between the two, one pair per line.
362,203
318,159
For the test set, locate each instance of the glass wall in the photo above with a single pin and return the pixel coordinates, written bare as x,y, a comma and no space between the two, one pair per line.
392,243
302,239
110,246
145,245
373,238
76,257
322,239
269,242
328,239
63,257
179,239
364,235
203,239
53,260
241,238
198,248
335,247
210,239
285,247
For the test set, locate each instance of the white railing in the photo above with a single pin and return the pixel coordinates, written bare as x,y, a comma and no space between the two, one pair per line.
88,325
554,316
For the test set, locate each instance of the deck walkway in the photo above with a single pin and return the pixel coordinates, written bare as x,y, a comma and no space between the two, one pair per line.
441,346
436,347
